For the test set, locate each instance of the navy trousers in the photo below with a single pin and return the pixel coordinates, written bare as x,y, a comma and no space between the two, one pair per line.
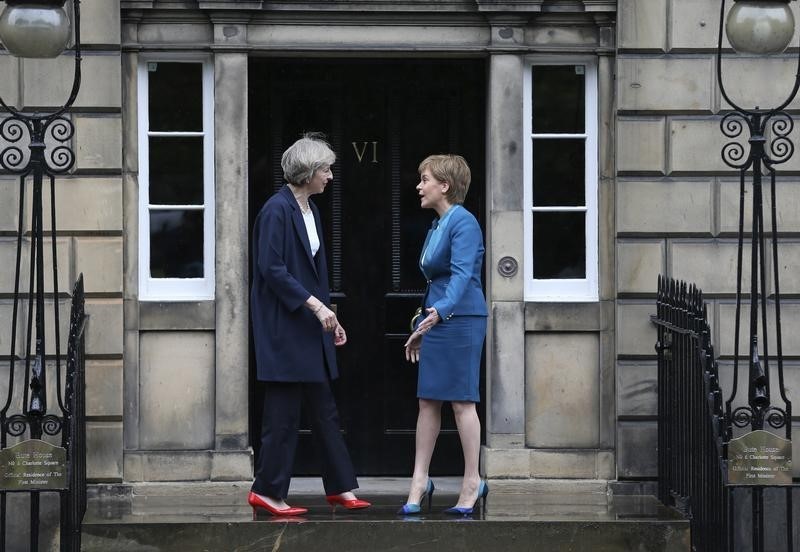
279,425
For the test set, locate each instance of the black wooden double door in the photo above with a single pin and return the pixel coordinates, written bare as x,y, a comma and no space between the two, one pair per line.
382,117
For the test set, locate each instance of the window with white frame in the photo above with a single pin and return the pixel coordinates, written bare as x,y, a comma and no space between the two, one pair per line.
560,192
176,179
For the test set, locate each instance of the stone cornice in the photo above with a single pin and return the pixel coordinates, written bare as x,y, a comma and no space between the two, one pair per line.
386,6
373,5
448,19
374,31
310,6
437,18
495,6
563,6
600,5
229,4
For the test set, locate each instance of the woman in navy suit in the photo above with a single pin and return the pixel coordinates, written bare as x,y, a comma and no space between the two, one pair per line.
295,334
449,341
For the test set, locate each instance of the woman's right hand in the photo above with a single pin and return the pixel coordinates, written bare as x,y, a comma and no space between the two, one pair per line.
327,318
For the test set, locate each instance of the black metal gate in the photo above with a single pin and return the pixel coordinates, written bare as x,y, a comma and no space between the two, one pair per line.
69,424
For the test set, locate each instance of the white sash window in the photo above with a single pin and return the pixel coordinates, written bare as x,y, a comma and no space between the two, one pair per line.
176,179
560,193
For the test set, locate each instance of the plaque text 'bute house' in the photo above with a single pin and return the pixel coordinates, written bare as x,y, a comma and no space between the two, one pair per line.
33,465
760,458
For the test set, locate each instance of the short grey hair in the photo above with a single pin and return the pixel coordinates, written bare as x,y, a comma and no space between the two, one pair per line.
305,157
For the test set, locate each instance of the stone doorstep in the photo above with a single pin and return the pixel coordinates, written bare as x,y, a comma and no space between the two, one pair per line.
385,536
555,514
510,521
368,485
142,497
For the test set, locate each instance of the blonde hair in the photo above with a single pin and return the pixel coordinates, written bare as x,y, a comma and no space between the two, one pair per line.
452,169
305,157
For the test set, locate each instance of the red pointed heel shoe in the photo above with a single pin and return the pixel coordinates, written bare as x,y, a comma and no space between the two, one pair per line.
257,502
352,504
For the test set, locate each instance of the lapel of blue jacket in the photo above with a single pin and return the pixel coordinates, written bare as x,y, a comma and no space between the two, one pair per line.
425,246
300,225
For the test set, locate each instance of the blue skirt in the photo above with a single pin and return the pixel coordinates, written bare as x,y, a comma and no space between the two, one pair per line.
450,360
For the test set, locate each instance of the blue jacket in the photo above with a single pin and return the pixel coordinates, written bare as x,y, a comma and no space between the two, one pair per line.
289,341
453,268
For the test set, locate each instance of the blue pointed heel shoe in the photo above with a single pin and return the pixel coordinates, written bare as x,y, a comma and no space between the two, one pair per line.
410,508
483,492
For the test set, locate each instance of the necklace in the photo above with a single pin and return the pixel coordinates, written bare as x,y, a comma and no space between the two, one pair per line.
301,199
305,209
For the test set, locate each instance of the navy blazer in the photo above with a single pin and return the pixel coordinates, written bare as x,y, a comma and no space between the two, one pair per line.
453,268
290,343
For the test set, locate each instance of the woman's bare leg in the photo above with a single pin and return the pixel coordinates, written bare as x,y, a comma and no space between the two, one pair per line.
429,421
469,430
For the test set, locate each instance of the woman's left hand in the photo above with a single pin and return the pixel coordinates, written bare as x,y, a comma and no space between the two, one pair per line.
339,335
430,321
415,340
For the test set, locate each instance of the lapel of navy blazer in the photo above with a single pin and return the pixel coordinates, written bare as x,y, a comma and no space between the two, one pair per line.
288,339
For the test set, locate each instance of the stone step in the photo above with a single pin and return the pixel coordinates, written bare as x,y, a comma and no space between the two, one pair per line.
518,516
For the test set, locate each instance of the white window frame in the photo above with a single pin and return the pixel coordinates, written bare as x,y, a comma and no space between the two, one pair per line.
176,289
570,290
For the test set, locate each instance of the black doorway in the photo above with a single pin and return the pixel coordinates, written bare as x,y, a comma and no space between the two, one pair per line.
382,117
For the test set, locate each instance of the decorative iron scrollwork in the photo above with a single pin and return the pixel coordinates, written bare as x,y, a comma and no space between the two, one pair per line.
61,158
16,425
51,424
781,147
775,417
732,126
745,416
12,157
13,129
53,133
742,416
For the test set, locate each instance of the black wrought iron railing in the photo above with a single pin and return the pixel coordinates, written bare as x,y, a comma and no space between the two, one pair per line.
695,426
691,432
69,423
73,501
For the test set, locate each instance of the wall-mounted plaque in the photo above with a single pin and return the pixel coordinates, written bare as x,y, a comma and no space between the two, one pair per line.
33,465
760,458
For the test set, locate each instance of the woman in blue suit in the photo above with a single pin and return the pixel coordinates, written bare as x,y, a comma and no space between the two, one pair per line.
295,333
449,341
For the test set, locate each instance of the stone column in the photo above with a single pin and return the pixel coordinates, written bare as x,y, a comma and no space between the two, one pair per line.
505,454
230,114
607,259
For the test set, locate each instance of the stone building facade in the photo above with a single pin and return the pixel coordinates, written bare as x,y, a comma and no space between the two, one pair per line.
570,376
677,203
89,215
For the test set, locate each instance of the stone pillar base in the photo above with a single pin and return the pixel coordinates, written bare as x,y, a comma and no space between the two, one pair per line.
528,463
179,465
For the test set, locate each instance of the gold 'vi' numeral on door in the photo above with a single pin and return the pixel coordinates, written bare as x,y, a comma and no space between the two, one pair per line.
361,152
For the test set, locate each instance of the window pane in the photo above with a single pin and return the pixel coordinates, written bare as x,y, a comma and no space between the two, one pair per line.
176,244
176,96
176,170
558,98
558,173
559,246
